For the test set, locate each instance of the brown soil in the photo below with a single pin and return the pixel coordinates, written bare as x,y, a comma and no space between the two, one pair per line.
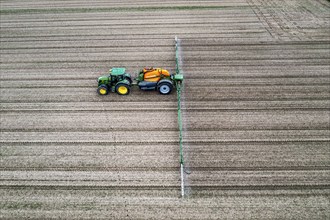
255,110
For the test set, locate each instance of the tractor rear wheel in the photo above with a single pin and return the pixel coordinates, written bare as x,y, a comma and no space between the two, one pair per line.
165,88
123,89
103,90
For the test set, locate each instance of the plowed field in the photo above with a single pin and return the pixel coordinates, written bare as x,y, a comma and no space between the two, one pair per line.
256,106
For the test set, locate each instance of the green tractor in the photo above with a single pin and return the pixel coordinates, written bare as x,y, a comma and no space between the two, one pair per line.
117,81
148,79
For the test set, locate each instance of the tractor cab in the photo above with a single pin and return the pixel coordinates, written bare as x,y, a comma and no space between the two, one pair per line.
119,74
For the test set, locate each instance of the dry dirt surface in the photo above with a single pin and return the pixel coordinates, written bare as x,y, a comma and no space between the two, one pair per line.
255,110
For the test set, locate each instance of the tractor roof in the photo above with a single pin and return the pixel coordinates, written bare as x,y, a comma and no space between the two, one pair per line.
117,71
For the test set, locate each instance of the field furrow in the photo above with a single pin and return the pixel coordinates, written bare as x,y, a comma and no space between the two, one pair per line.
255,110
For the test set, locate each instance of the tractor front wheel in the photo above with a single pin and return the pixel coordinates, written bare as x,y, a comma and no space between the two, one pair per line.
103,90
165,88
123,89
